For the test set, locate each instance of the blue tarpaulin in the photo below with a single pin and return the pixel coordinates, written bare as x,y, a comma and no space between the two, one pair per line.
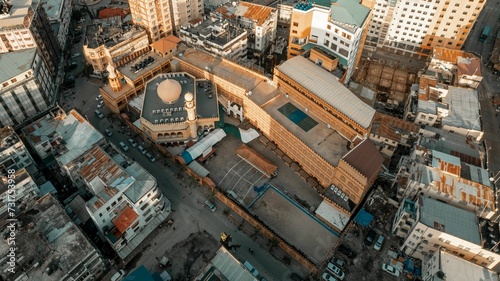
363,218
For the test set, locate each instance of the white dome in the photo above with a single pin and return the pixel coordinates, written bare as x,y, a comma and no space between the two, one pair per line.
169,91
188,96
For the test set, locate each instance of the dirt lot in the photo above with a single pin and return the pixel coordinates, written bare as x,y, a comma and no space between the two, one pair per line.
190,255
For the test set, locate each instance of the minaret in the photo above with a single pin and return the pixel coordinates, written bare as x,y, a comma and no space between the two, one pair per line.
113,79
191,112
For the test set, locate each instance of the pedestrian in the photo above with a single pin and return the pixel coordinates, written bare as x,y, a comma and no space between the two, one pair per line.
173,228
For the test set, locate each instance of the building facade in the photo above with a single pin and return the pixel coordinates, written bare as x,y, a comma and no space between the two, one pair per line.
438,225
129,81
415,27
13,153
25,25
259,21
59,16
127,204
27,87
218,38
154,16
113,45
186,11
339,28
26,192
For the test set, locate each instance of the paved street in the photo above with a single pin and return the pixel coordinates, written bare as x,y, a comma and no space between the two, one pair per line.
488,17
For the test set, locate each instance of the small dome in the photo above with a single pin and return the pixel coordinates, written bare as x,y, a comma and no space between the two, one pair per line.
169,90
188,96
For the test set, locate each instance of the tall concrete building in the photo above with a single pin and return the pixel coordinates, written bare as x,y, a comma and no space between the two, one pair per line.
415,27
337,26
162,17
25,25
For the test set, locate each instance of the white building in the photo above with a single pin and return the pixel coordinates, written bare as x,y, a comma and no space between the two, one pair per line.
49,246
25,192
25,25
415,27
339,28
436,225
260,22
13,153
62,136
216,37
26,86
127,204
445,266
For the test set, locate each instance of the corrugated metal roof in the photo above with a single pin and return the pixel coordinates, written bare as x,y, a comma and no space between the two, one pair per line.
326,87
15,63
450,219
198,169
247,10
464,108
230,267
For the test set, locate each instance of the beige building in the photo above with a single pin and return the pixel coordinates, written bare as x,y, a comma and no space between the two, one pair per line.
332,122
154,16
161,18
113,44
415,27
131,79
430,225
177,107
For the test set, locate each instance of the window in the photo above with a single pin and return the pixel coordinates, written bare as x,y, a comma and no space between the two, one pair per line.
295,24
429,235
329,27
327,35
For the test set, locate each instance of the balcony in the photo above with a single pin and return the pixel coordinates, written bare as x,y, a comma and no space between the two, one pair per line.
299,41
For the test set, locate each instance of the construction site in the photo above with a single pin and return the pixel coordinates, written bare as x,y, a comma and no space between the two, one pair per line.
389,81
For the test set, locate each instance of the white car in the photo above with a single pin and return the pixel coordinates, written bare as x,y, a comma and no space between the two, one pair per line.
390,269
98,98
123,146
142,149
327,277
118,275
336,271
132,142
100,104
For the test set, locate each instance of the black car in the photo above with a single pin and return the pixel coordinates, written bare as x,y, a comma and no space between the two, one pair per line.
370,237
296,277
347,251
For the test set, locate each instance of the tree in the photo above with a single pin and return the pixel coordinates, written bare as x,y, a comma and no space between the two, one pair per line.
272,243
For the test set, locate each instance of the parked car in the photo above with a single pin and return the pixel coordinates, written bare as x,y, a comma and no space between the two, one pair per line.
132,142
108,132
123,146
210,206
100,104
118,275
338,262
99,114
151,157
391,270
379,242
335,270
369,237
346,251
296,277
98,98
327,277
142,149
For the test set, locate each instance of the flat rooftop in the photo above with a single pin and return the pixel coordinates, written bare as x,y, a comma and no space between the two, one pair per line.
49,239
111,34
15,63
208,29
450,219
464,108
132,75
15,17
254,12
326,142
311,236
456,268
